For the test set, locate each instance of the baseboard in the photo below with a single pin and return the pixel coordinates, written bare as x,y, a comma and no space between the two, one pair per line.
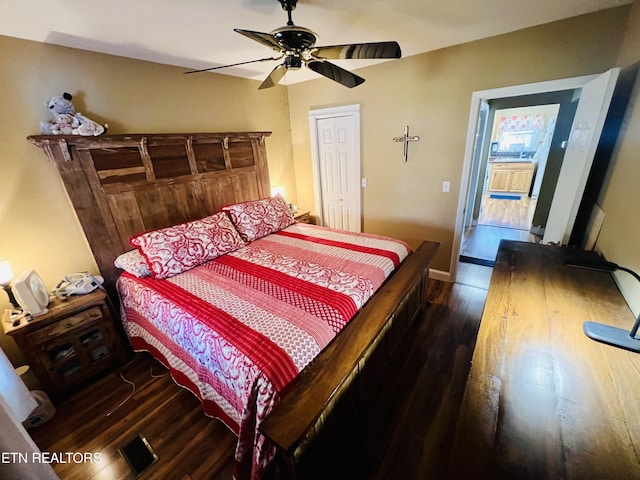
439,275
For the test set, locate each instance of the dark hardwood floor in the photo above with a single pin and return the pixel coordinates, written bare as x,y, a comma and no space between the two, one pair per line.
406,431
482,242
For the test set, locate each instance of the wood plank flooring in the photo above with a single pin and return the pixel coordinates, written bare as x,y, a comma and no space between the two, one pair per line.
500,212
498,219
406,432
188,443
482,242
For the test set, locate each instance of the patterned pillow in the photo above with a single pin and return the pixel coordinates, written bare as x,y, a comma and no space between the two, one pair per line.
175,249
134,263
257,218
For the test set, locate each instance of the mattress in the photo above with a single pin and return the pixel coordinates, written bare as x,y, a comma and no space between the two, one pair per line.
238,329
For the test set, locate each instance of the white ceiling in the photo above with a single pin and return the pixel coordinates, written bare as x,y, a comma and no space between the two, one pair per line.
199,33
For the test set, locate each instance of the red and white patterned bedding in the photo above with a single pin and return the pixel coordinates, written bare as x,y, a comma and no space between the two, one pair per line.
236,330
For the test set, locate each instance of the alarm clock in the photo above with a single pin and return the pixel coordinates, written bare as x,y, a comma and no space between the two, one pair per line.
31,293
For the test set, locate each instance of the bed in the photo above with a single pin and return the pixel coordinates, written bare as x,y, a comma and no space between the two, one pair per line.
129,187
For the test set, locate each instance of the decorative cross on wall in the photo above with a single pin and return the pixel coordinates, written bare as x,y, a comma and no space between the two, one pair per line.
406,139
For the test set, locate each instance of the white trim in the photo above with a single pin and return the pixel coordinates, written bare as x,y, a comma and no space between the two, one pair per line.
334,111
476,99
439,275
314,116
586,131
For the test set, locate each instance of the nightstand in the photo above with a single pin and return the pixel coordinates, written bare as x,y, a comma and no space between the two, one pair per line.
74,341
302,216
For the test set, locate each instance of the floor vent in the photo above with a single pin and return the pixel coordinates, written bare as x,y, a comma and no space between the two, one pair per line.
138,454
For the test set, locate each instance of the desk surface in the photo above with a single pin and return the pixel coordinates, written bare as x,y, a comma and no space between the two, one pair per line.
542,399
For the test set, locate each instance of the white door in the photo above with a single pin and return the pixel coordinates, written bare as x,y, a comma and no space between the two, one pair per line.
583,140
335,140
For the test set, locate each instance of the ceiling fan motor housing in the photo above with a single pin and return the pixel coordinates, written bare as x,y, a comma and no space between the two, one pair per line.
295,39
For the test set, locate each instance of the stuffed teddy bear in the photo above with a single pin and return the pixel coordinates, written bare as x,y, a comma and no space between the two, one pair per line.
67,122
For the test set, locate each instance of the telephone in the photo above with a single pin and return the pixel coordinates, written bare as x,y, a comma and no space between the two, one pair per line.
77,284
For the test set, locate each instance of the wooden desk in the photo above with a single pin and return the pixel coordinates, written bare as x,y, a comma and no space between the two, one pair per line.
542,399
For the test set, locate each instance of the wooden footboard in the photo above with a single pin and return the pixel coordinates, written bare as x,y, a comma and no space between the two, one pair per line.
318,402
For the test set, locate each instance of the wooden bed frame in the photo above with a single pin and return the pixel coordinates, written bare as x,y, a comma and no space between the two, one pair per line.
121,185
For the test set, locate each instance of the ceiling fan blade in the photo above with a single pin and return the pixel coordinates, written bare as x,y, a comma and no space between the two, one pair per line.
263,38
335,73
234,64
274,77
359,50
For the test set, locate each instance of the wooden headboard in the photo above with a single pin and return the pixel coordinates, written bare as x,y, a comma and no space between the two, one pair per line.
121,185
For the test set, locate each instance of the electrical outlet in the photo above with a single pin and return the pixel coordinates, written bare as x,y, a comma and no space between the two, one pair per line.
446,186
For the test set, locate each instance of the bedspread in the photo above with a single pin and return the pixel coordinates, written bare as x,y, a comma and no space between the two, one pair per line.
236,330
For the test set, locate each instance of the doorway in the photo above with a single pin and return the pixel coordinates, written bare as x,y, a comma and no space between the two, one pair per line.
518,132
595,93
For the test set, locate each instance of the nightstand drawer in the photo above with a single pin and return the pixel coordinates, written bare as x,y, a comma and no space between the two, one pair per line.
84,318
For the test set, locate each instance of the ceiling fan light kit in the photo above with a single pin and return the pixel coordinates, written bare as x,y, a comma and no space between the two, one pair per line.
296,45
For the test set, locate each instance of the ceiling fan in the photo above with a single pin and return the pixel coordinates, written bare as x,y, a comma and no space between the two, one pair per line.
296,45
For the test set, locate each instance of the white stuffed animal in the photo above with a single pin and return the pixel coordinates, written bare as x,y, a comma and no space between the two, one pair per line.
67,122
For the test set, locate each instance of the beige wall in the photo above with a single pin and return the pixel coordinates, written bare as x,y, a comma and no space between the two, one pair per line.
39,227
619,240
431,93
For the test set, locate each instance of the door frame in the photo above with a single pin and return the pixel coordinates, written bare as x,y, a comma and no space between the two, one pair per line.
332,112
477,98
579,154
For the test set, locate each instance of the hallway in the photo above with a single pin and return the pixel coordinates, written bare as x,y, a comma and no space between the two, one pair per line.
499,218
